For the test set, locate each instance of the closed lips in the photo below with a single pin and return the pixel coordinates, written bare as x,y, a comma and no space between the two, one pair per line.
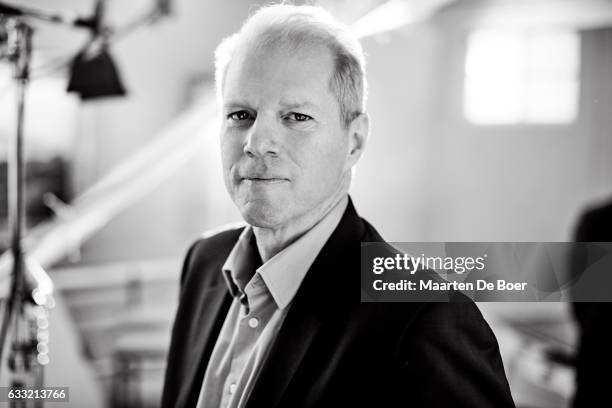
264,179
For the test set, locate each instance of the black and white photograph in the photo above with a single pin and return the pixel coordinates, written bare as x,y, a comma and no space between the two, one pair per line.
305,203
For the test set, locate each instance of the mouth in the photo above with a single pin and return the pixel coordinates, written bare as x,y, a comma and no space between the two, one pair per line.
263,180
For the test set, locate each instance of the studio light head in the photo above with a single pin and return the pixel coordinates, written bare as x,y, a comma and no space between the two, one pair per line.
94,75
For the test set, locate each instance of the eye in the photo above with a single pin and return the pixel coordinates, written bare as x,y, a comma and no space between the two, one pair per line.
298,117
239,116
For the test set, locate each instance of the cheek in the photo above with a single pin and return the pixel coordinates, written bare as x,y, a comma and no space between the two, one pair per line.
333,155
230,155
231,149
323,164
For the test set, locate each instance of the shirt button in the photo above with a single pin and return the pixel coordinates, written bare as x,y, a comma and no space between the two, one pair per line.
232,388
253,322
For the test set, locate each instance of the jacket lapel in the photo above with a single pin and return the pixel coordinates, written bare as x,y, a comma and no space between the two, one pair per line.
288,350
319,296
211,313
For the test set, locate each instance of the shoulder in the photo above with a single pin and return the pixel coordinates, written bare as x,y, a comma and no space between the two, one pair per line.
454,341
370,234
452,333
601,211
216,241
447,321
210,250
594,223
460,315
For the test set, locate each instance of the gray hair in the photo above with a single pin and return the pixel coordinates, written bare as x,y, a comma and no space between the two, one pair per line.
290,27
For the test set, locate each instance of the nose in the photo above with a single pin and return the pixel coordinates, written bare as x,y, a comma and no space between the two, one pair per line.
262,138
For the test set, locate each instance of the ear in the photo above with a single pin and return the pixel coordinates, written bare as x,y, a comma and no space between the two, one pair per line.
359,129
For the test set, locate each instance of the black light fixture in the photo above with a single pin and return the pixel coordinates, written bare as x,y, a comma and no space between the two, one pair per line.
94,75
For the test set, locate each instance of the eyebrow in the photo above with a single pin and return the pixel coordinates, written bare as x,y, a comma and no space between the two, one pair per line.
235,104
285,104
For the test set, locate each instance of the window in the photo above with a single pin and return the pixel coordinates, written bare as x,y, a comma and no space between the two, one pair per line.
521,77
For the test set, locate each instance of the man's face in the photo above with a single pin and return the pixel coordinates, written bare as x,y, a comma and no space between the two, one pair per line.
284,149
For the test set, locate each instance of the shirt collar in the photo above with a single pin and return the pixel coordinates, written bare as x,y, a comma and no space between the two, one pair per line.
240,265
284,272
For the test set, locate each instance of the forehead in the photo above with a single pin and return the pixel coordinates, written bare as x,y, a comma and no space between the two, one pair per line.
273,74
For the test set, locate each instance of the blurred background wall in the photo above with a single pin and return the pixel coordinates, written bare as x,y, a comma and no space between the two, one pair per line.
430,172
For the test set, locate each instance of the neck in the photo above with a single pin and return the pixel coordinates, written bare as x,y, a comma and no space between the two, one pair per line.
270,241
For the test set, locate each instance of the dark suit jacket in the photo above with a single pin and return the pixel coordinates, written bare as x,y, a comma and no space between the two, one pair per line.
334,351
594,357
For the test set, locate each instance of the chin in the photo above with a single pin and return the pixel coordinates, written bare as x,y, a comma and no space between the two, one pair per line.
261,215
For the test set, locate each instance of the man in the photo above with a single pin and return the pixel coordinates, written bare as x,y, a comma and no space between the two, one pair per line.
270,314
593,356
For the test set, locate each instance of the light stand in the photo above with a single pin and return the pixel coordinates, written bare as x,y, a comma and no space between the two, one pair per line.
30,297
25,315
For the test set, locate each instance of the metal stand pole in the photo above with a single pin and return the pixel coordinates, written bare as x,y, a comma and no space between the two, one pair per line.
25,315
19,51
